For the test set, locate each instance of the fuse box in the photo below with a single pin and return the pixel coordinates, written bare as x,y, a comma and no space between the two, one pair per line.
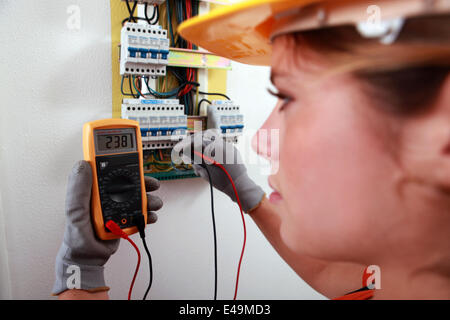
163,122
225,116
151,67
144,50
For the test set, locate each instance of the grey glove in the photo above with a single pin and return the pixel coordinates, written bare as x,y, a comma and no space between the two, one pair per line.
215,147
81,257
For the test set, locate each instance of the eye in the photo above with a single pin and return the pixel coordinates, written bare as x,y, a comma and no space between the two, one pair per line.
286,100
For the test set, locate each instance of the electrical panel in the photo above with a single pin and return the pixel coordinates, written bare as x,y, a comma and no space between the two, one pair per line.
163,122
225,116
144,50
154,81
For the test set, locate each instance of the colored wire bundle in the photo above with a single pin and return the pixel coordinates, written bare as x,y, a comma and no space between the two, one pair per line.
173,13
160,161
180,83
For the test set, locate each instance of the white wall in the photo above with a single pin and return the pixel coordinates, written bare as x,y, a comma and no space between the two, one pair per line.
52,81
5,288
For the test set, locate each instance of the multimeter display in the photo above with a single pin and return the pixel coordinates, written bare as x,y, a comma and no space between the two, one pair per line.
115,141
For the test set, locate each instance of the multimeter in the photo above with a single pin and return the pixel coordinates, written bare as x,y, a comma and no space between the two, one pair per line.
113,147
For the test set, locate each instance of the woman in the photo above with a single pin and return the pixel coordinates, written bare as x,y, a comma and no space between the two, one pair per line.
364,120
364,166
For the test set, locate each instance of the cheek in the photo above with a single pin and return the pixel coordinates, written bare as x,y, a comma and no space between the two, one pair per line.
334,174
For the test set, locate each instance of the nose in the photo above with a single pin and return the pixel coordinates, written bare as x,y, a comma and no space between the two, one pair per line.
265,142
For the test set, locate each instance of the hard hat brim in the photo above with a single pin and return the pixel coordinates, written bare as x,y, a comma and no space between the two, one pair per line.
240,32
243,31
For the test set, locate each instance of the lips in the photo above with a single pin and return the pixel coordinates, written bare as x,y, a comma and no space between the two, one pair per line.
275,197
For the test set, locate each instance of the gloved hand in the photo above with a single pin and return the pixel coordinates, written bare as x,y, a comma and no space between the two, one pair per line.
215,147
81,250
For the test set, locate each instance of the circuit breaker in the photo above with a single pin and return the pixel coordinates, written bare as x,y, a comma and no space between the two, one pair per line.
163,122
144,50
225,116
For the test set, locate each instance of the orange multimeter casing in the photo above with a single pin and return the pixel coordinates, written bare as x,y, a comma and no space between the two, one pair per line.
113,147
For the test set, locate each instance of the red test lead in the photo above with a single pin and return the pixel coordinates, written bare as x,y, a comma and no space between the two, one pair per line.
212,161
115,229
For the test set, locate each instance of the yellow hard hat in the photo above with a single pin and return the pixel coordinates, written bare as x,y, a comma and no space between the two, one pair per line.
243,31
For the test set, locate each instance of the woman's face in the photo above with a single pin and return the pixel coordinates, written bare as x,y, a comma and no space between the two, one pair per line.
335,187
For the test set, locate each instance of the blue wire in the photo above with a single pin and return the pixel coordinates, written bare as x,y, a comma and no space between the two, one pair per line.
169,94
164,94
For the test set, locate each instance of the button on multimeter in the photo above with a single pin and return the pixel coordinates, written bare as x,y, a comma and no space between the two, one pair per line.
114,149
